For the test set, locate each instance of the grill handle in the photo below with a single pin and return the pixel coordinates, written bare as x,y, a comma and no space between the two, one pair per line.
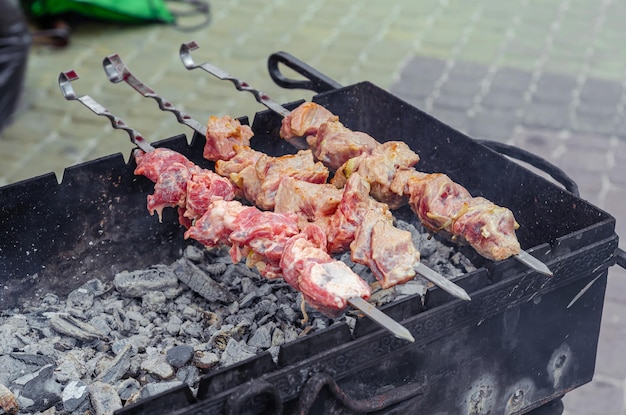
315,80
536,161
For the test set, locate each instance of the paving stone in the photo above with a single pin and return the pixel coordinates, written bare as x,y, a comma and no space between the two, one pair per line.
594,123
493,125
504,99
461,86
511,79
543,115
453,117
601,91
614,204
455,101
554,88
599,397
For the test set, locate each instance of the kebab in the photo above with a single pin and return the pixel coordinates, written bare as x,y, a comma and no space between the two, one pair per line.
227,138
310,270
488,228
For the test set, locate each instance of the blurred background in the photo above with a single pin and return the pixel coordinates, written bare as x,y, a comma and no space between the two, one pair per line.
548,76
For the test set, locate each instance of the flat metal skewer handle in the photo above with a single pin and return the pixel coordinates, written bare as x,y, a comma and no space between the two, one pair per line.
117,71
185,56
65,79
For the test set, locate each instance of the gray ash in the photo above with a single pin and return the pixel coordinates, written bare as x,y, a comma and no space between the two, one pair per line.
111,344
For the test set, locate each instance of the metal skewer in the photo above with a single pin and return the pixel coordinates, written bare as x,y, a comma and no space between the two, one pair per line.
185,55
117,71
382,319
65,78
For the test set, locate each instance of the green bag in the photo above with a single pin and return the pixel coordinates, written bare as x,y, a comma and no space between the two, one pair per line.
124,11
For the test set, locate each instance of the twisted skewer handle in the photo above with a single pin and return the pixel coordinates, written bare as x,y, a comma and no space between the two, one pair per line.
65,80
185,56
117,71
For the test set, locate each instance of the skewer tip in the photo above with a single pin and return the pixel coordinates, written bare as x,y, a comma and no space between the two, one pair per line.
442,282
382,319
532,262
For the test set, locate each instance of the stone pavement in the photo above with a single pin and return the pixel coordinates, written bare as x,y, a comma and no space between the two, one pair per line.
548,76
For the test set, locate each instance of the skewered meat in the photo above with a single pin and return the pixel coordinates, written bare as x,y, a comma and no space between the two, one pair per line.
440,204
444,205
260,176
223,133
310,201
365,226
258,236
273,244
277,183
326,284
152,163
170,189
180,183
334,144
379,168
305,121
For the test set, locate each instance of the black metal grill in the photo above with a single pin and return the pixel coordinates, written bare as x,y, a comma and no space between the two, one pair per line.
523,341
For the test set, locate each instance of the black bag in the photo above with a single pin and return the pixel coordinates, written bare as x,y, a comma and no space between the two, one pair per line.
15,41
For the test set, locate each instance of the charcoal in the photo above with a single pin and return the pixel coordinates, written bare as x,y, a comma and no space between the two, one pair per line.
263,290
416,286
278,337
179,355
193,253
118,367
152,389
154,329
188,375
191,329
127,388
244,271
286,313
200,282
137,342
156,365
173,326
236,351
80,299
247,300
8,333
104,398
74,395
33,359
39,390
191,314
70,326
205,360
383,296
222,337
71,365
101,324
154,301
135,284
216,268
261,338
